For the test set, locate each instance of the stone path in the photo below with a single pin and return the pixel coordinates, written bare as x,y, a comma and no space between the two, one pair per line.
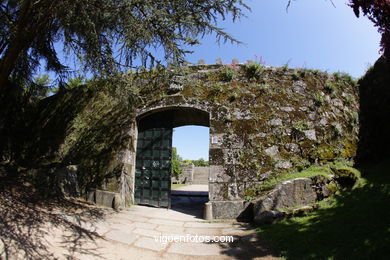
136,233
133,232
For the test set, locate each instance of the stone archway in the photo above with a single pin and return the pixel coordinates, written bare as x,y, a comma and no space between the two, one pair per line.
152,180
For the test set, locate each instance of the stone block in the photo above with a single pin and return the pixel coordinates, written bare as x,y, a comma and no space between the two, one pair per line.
272,151
283,165
228,209
275,122
105,198
287,194
91,196
118,203
232,156
218,191
219,174
122,237
291,147
66,181
233,191
310,134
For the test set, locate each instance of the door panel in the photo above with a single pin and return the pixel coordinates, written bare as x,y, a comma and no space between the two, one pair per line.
153,167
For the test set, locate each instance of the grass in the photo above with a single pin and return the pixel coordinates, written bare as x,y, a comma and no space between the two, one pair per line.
175,186
350,225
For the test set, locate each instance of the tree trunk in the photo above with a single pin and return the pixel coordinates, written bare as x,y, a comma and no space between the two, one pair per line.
16,45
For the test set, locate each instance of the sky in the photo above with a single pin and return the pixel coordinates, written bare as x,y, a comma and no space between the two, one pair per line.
312,34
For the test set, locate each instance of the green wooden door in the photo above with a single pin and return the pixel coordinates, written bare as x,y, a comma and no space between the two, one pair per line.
153,167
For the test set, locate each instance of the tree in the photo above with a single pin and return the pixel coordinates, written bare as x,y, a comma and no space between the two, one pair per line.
200,162
41,86
176,168
105,35
378,11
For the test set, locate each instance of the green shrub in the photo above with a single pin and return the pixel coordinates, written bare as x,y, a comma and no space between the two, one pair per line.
345,77
176,168
228,74
318,99
254,71
330,87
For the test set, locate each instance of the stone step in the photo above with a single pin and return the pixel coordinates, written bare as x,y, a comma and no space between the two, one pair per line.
201,176
200,182
200,179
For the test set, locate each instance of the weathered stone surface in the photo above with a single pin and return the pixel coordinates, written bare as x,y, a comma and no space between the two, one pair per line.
299,87
122,237
283,165
258,127
187,176
118,203
218,174
292,147
289,193
217,191
66,180
105,198
201,175
265,175
174,88
227,209
287,109
150,243
276,122
272,151
311,134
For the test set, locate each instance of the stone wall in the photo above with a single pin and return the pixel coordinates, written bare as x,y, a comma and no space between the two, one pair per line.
263,121
187,174
374,138
201,175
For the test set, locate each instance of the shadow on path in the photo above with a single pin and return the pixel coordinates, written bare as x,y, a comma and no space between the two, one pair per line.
189,203
29,223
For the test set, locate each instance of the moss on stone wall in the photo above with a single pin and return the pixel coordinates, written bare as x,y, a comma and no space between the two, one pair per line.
270,121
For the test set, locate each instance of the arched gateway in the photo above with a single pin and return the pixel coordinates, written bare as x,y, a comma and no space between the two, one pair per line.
154,148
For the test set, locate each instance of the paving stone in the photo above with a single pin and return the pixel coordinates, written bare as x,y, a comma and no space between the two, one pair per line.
203,231
170,230
175,216
123,227
121,236
144,225
101,229
150,243
207,225
146,232
194,249
131,217
166,222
